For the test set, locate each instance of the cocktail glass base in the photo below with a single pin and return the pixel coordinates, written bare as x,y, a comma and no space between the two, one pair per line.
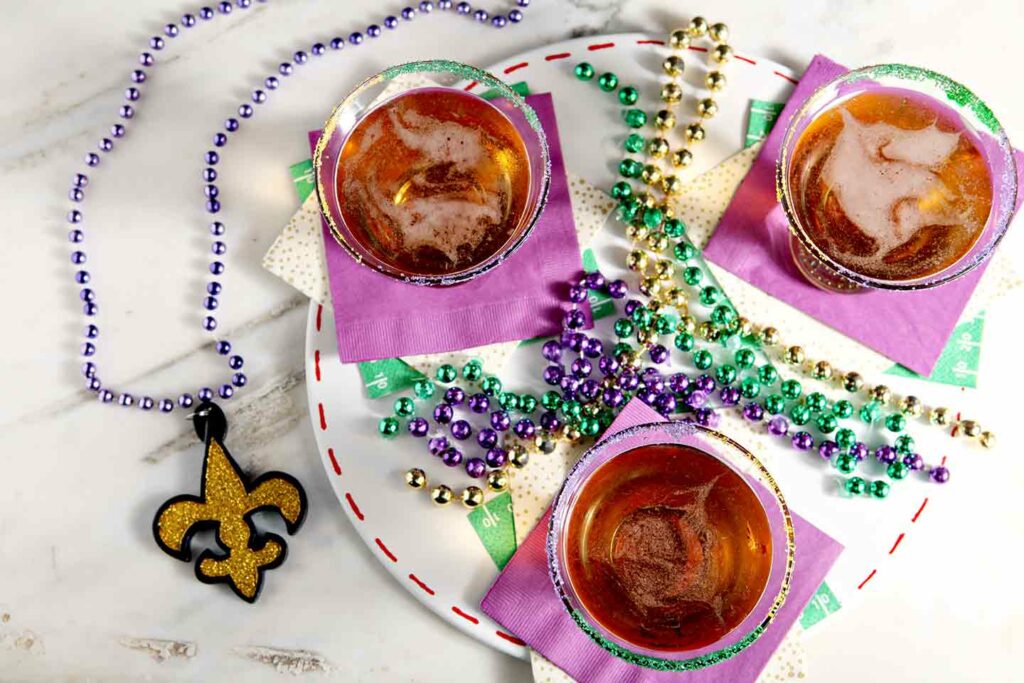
817,272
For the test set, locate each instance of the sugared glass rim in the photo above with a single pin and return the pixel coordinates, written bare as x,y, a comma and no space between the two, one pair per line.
960,99
671,432
466,73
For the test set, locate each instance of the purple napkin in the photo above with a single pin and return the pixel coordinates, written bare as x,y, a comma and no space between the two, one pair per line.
752,242
378,317
524,601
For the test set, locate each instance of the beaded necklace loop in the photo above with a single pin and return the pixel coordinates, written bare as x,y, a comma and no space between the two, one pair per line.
211,193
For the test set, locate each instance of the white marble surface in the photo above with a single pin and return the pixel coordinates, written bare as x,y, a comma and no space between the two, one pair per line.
81,583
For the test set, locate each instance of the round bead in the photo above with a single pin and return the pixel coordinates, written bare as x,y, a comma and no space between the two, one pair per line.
767,374
608,81
446,373
988,439
452,457
476,468
715,81
898,470
879,489
518,457
461,430
443,413
404,407
673,65
885,454
904,444
853,382
441,495
628,95
845,463
387,427
472,496
855,486
791,389
895,422
679,39
584,71
827,449
454,396
970,428
415,478
940,475
939,416
437,445
842,409
497,481
778,426
423,388
707,108
803,441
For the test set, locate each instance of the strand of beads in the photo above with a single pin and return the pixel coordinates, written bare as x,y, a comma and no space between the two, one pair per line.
126,113
653,225
910,406
448,436
650,220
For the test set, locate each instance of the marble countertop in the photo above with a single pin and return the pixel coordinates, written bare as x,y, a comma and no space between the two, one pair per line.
84,592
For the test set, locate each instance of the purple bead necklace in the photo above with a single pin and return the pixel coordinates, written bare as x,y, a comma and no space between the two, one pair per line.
227,497
211,159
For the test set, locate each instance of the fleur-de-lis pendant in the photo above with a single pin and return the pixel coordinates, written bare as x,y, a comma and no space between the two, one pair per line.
226,504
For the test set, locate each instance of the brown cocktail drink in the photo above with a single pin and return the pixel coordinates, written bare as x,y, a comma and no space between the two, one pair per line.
668,548
890,184
434,181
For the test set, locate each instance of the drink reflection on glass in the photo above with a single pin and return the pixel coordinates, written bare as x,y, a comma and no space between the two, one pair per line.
430,183
893,177
670,546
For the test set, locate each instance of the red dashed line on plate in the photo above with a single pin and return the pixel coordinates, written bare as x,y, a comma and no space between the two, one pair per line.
334,461
319,316
782,75
650,42
468,617
697,48
355,508
747,60
384,549
323,418
316,364
427,589
919,511
516,67
943,463
509,637
600,46
557,55
472,85
895,545
862,583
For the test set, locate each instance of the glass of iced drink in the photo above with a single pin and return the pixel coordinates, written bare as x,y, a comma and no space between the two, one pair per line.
894,177
671,546
424,180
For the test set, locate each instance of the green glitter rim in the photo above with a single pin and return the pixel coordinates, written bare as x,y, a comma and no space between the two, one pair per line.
954,91
697,661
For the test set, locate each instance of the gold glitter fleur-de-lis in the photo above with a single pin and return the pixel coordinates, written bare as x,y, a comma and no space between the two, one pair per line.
226,504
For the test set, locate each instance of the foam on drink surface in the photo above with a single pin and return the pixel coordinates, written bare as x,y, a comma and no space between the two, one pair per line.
891,185
433,181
